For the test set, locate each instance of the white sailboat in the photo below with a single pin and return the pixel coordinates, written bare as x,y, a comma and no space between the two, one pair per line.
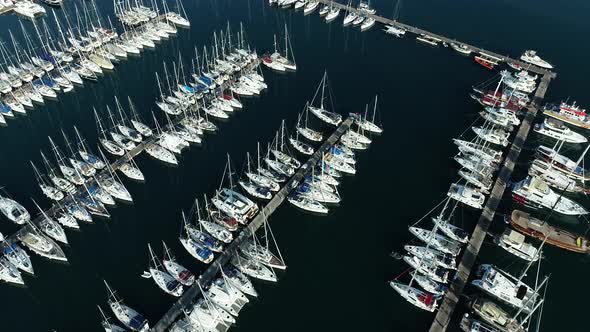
326,116
132,319
164,280
179,272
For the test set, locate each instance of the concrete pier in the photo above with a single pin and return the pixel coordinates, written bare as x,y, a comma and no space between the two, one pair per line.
419,31
446,309
189,296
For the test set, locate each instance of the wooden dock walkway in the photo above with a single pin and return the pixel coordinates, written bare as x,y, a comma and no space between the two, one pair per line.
419,31
190,295
446,309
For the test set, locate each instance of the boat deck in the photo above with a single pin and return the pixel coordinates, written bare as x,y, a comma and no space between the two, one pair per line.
447,307
418,31
212,271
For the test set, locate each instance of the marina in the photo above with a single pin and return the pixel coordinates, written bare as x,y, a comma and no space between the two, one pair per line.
493,154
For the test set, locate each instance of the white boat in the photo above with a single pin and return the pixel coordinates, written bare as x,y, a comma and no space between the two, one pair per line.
441,259
367,24
307,204
320,112
28,9
452,231
557,130
332,14
162,154
14,211
553,177
106,323
41,244
428,268
165,281
492,135
253,268
132,171
420,299
179,272
467,195
436,241
569,113
461,48
310,7
479,150
17,256
531,56
514,242
126,315
564,164
506,288
534,192
393,30
9,273
197,250
428,284
287,59
114,187
239,280
300,146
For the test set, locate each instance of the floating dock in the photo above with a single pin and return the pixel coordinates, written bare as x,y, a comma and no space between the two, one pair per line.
190,295
419,31
447,307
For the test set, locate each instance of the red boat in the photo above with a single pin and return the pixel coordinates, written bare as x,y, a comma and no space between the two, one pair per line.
484,62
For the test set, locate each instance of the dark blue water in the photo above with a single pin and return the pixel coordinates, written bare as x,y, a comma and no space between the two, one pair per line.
339,264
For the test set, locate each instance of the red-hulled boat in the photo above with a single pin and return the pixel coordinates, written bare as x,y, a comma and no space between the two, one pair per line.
484,62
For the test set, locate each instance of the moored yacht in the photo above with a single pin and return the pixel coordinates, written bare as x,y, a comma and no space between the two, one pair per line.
467,195
531,56
513,242
557,130
534,192
420,299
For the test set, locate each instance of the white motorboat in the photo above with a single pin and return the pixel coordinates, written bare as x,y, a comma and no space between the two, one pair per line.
514,242
531,56
557,130
534,192
393,30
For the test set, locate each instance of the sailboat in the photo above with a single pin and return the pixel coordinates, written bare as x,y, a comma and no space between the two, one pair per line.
17,256
111,147
48,190
257,176
369,125
164,280
421,299
217,231
51,227
305,131
86,154
197,249
254,188
262,253
288,59
106,323
126,315
9,273
131,170
13,210
130,133
136,121
179,272
326,116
